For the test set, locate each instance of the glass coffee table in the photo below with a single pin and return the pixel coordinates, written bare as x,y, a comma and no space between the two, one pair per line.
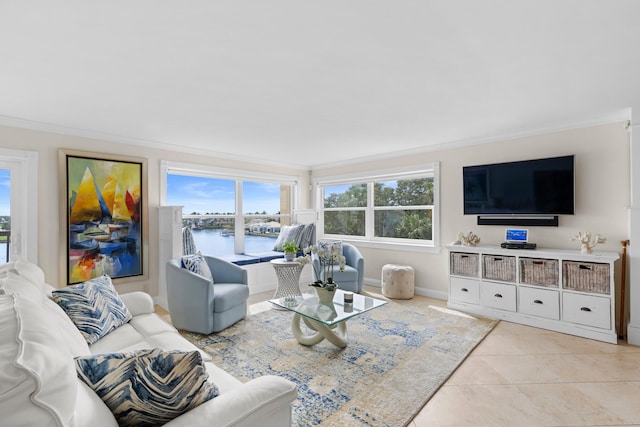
326,321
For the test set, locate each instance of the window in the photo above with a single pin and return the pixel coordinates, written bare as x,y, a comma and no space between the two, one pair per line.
394,207
18,205
230,212
5,215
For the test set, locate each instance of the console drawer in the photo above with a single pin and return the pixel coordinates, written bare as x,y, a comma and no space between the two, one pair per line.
539,302
464,290
586,310
498,295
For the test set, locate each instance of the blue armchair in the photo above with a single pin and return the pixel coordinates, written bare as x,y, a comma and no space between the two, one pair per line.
200,305
353,275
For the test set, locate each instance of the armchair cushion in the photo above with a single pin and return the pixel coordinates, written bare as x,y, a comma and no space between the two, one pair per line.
197,264
93,306
149,387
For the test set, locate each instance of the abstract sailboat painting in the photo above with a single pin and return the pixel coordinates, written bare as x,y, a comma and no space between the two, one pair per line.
105,233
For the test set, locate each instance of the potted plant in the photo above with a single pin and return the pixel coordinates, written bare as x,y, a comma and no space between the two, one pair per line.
329,259
290,250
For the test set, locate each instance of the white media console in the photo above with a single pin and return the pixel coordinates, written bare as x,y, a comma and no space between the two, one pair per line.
560,290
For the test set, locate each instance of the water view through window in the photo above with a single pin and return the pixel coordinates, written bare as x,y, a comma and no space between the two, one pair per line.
214,242
209,209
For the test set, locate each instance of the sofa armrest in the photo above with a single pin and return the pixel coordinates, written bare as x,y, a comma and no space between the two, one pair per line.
264,401
138,302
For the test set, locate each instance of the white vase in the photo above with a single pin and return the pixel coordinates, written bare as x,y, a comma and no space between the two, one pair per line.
324,295
289,256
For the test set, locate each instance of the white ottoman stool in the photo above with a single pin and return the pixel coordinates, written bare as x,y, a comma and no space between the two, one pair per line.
397,281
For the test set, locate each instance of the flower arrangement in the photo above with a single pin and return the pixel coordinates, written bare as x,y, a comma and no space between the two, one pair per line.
329,258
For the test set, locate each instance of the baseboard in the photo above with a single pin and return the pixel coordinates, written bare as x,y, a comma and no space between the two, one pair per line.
430,293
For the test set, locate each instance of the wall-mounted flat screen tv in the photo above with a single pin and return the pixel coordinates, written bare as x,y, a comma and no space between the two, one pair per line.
529,187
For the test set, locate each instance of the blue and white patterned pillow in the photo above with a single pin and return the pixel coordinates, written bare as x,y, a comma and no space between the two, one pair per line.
188,244
93,306
288,233
197,264
326,246
306,237
147,387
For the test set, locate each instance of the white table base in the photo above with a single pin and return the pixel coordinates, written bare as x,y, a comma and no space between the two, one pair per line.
336,335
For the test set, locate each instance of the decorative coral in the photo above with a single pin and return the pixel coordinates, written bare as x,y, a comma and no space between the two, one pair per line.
588,242
468,239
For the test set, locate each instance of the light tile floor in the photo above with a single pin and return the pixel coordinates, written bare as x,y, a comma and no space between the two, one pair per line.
524,376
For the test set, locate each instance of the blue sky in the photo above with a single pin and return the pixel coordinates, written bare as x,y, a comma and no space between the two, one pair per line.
202,195
5,186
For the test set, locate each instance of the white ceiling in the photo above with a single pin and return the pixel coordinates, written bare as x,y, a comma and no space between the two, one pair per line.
314,83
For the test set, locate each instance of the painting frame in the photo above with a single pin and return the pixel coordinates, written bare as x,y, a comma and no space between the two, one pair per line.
103,216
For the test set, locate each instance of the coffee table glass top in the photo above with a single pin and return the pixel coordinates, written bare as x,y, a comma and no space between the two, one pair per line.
329,314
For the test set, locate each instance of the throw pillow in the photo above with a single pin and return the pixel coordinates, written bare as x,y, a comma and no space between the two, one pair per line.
288,233
93,306
197,264
147,387
305,239
326,246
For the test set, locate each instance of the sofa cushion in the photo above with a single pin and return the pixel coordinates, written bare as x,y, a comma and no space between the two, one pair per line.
12,283
148,387
93,306
37,373
91,410
30,271
197,264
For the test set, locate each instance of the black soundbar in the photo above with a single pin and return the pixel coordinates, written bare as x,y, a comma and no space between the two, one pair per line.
508,245
539,221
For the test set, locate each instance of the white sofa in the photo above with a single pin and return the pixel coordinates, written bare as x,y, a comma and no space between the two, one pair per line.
38,381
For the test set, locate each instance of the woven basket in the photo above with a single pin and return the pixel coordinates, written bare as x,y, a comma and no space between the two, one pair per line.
539,272
464,264
586,277
497,267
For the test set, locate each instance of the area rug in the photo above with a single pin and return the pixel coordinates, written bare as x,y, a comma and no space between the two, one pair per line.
397,357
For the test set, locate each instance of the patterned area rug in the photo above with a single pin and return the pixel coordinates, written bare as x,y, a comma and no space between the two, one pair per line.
397,358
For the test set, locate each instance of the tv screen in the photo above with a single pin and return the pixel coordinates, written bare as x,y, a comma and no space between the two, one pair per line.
530,187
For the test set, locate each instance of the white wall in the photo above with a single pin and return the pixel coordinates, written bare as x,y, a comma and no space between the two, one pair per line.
602,196
50,195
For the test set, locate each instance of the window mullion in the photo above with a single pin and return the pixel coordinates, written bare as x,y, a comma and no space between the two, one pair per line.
239,220
370,214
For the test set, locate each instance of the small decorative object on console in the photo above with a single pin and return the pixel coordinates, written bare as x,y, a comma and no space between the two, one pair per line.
588,242
468,239
348,297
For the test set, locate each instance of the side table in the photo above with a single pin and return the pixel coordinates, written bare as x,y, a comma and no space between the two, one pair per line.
288,273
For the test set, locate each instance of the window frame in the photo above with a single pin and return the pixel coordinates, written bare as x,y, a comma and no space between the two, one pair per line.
23,166
238,176
430,170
